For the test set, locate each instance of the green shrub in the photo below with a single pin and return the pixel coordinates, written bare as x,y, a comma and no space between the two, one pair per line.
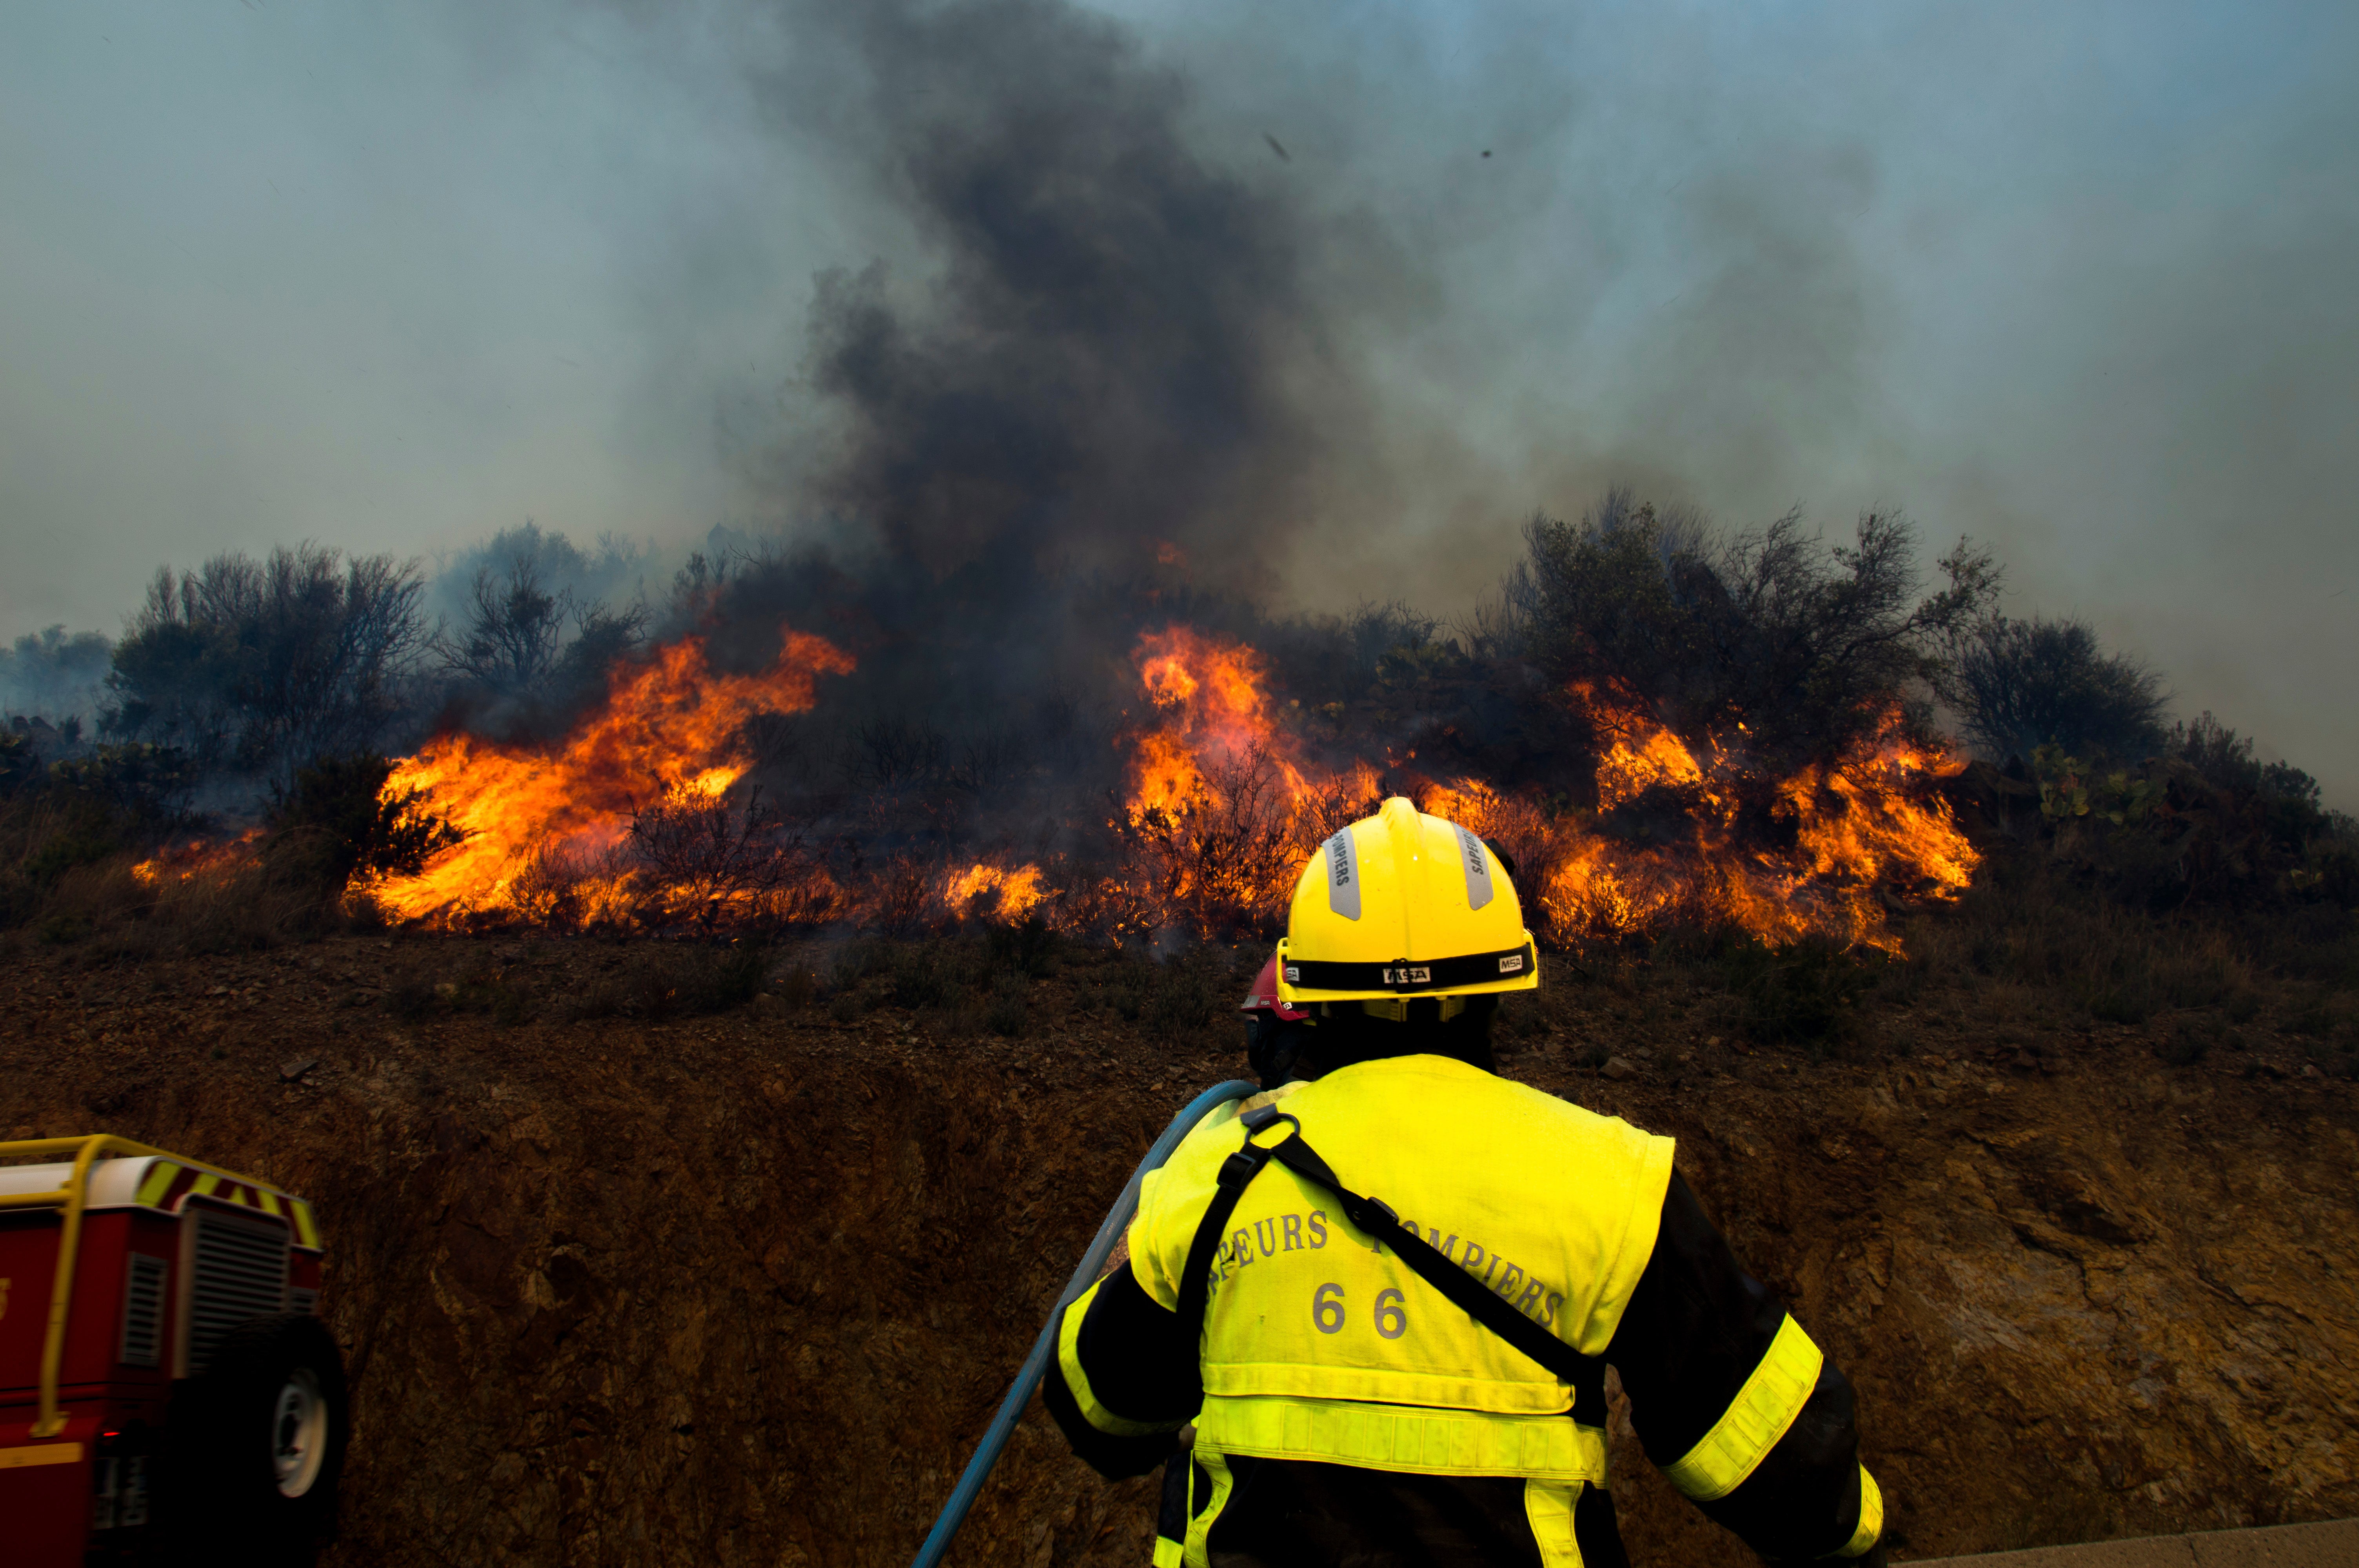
2315,1021
1804,993
150,785
509,1003
668,979
2130,1005
1181,999
927,975
1123,986
1030,948
852,963
1009,1009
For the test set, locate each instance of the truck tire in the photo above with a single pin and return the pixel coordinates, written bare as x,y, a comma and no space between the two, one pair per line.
257,1447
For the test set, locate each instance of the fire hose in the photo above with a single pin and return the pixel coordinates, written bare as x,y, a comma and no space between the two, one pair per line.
1036,1365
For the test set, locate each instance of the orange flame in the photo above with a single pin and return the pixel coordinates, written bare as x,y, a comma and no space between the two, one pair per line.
1013,893
671,722
1855,832
1209,707
1866,828
1224,797
197,858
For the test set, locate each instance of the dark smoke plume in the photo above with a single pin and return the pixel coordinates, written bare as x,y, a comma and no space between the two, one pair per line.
1110,360
1097,406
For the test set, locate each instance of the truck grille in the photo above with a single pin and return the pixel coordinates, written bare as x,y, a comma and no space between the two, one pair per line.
240,1274
143,1312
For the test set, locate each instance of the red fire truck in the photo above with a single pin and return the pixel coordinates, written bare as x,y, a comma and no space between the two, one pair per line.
168,1392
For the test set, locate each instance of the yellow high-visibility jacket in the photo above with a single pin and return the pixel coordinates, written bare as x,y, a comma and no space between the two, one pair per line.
1344,1408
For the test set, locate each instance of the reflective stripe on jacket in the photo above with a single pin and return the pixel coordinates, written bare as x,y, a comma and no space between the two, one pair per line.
1320,1349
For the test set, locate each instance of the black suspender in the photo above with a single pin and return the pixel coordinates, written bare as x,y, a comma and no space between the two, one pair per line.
1584,1374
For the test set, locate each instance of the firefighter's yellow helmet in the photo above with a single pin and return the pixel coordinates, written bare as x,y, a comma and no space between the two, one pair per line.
1400,905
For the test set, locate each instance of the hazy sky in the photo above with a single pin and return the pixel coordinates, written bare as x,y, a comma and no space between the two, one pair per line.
2078,281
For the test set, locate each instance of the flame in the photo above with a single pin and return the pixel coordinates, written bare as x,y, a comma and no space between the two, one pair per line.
1225,793
1669,840
1210,707
1223,801
1866,828
670,722
186,862
1012,893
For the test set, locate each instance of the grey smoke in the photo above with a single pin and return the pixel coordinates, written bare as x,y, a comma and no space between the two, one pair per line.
2072,280
1113,347
55,675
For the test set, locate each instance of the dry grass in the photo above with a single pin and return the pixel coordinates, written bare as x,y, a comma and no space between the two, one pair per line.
252,905
2028,923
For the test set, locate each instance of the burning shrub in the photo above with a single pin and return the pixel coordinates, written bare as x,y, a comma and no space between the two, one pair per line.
898,898
669,716
1001,898
339,822
81,819
554,888
1221,856
704,855
1803,653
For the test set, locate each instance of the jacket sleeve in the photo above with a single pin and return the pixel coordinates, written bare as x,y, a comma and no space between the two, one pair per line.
1737,1406
1124,1380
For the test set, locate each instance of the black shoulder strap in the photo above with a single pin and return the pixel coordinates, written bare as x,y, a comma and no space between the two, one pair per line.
1584,1374
1237,1173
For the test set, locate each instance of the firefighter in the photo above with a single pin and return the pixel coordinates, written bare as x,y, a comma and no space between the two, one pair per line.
1276,1032
1365,1314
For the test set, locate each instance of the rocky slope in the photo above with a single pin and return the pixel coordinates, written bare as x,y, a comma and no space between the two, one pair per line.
745,1289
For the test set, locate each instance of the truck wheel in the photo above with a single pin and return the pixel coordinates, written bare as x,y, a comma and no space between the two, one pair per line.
258,1444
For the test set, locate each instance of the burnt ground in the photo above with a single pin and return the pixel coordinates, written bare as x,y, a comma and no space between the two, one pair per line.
744,1287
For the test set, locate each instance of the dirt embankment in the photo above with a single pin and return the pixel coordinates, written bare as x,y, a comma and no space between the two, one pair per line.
745,1289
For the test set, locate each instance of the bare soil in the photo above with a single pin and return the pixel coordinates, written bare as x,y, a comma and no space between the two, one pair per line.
747,1288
